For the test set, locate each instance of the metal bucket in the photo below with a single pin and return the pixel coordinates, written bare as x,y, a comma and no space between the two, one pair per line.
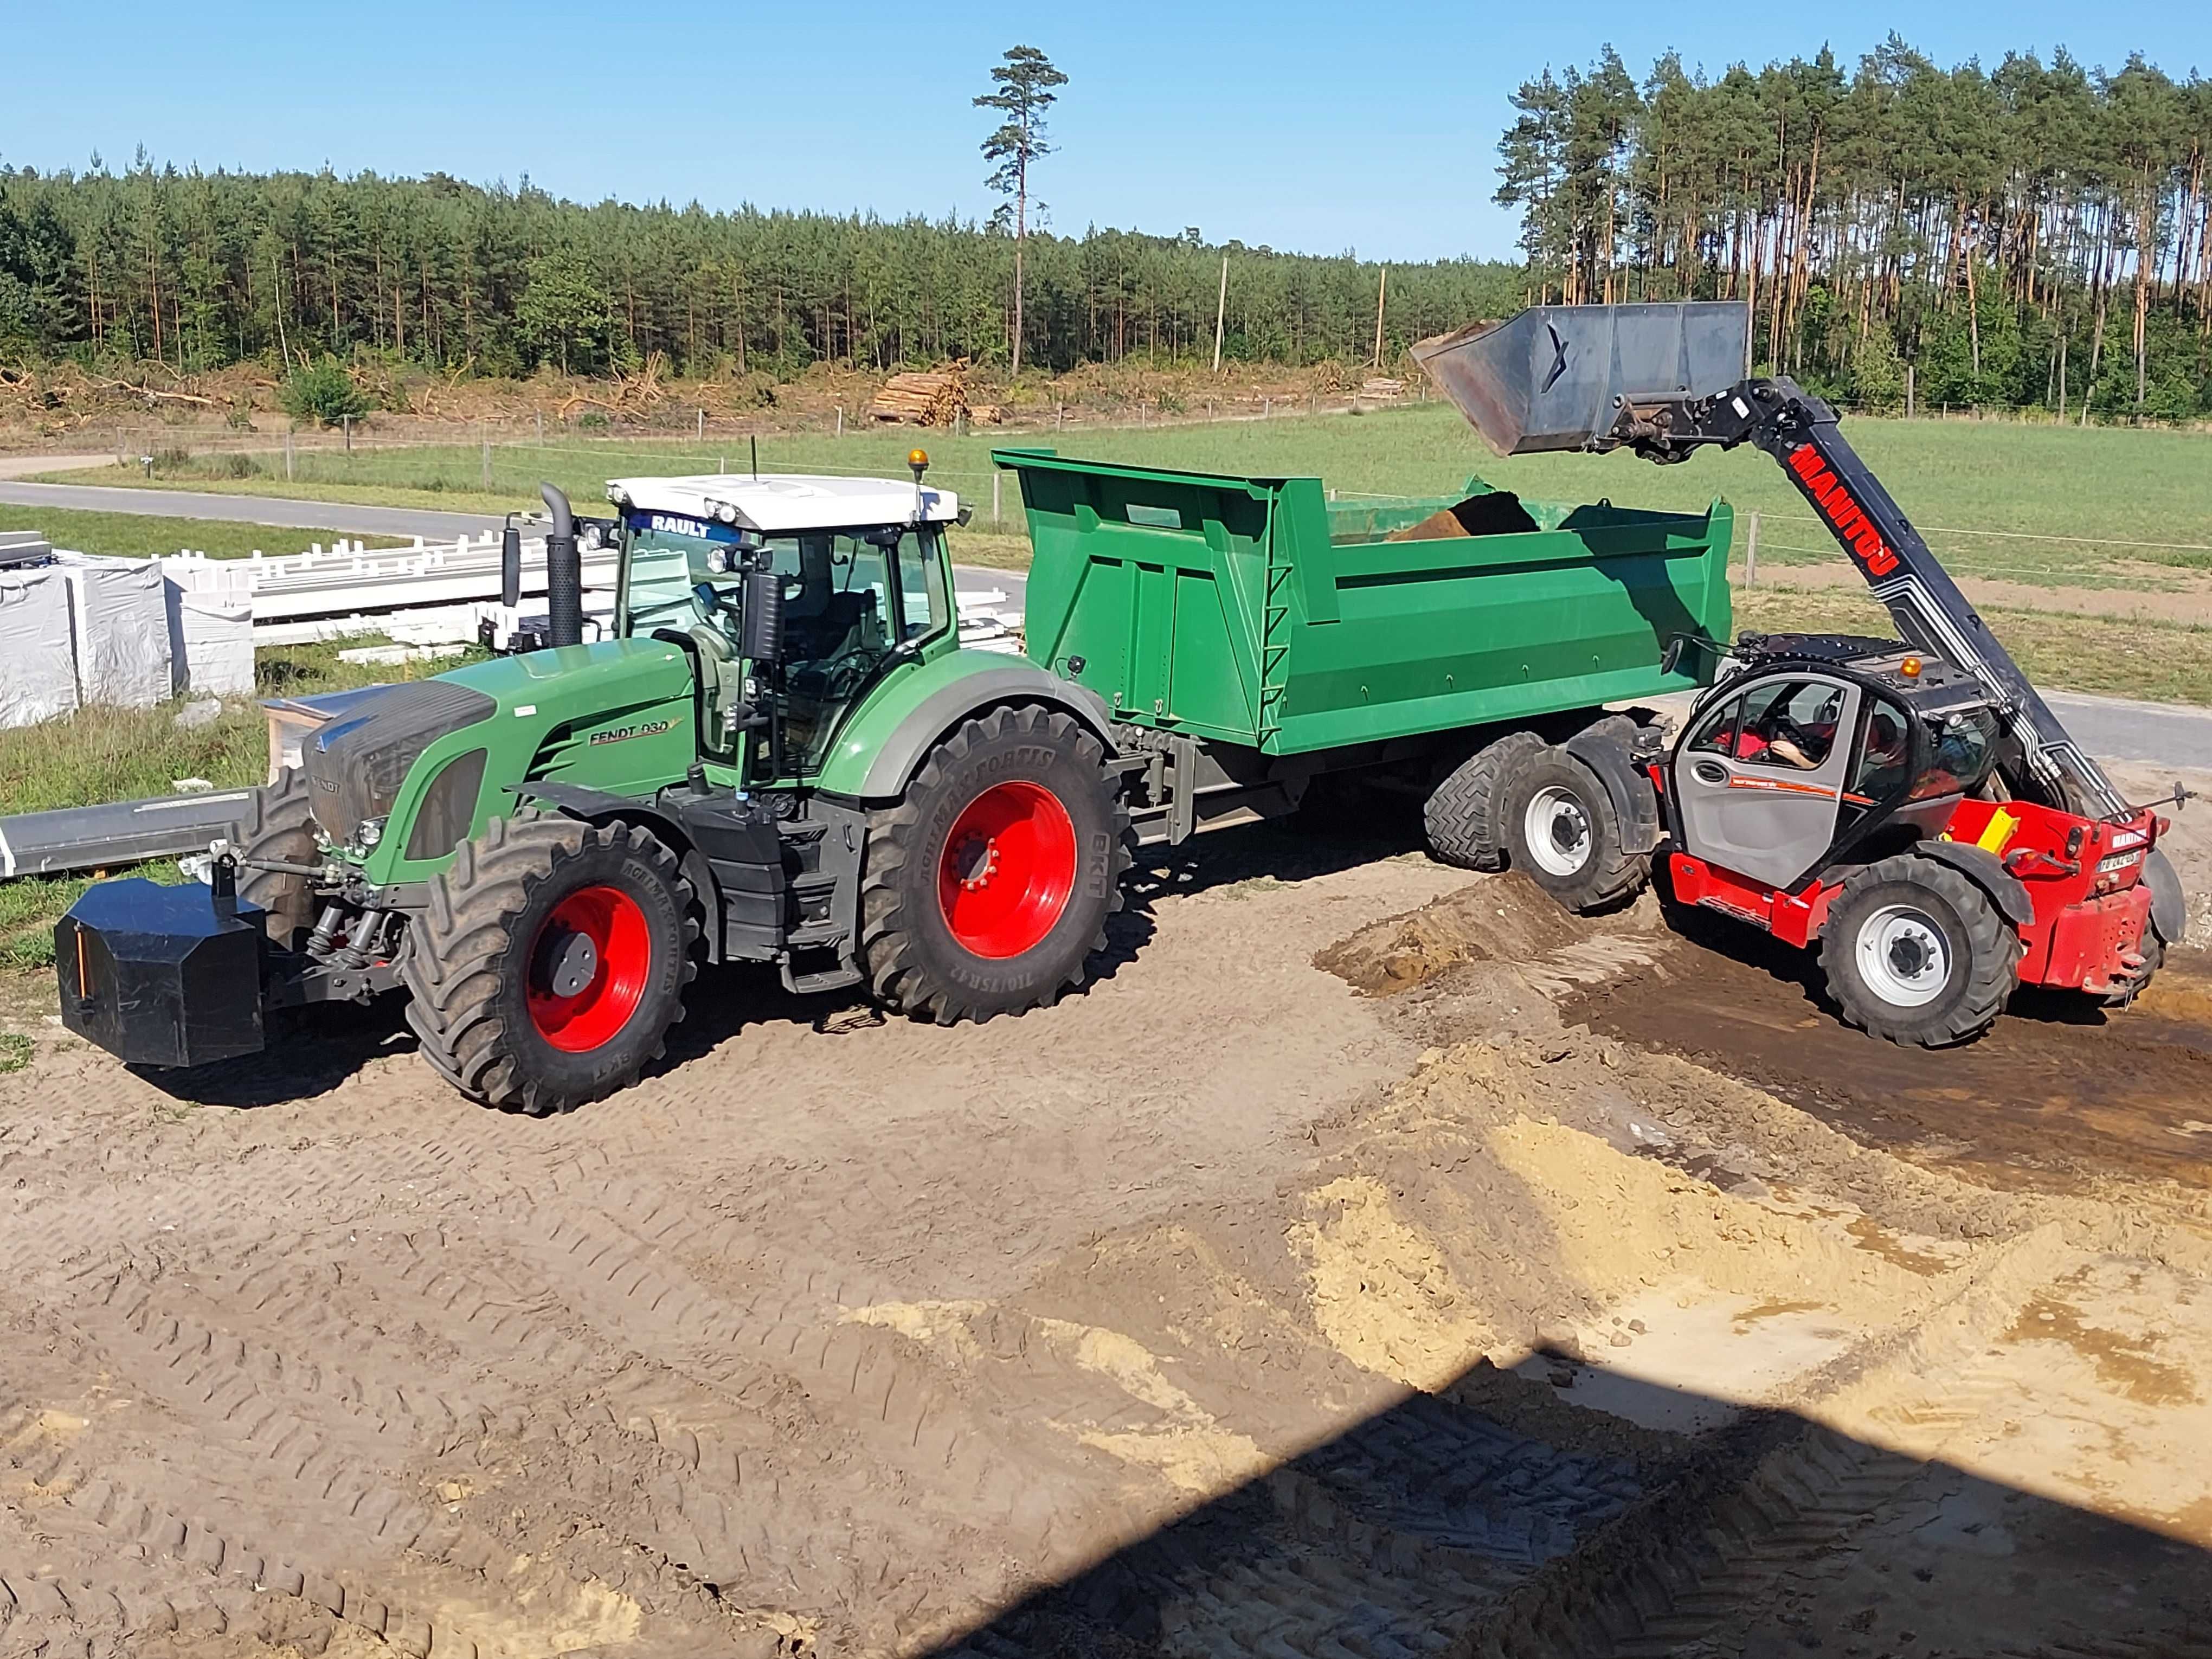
1555,376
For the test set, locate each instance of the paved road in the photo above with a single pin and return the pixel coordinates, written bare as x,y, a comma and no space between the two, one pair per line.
345,517
2168,734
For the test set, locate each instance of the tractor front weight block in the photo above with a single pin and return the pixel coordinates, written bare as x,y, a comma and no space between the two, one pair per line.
162,975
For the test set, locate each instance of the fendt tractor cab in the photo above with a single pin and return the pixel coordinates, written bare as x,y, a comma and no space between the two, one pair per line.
781,754
1913,806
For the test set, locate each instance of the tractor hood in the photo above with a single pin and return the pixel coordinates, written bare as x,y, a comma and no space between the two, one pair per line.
428,764
355,766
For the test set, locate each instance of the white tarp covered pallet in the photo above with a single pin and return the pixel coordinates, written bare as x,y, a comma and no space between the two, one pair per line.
119,630
38,665
79,631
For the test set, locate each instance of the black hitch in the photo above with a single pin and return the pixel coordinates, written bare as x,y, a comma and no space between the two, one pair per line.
161,975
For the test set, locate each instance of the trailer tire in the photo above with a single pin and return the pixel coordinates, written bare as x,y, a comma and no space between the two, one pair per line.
550,960
1464,816
1563,833
1017,793
1915,953
279,825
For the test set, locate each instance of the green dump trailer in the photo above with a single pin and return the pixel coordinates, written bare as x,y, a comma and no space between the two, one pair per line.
1252,636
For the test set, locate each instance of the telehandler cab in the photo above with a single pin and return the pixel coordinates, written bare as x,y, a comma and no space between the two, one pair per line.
1911,806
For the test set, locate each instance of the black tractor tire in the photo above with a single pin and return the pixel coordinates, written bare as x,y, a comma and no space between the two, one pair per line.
278,825
1563,832
1916,954
1465,814
936,942
550,960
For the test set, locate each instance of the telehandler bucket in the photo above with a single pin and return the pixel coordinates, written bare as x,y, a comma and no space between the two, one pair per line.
1555,377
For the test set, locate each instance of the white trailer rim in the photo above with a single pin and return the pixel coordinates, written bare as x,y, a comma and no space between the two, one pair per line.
1556,828
1903,956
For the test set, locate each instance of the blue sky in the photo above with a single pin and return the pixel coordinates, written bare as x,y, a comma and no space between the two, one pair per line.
1316,127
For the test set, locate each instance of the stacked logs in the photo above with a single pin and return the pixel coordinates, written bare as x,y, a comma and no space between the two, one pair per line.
936,397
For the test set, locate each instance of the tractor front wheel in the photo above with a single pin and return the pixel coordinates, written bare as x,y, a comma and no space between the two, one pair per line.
1915,953
550,962
279,827
988,887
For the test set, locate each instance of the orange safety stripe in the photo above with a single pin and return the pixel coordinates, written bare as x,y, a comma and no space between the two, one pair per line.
1786,785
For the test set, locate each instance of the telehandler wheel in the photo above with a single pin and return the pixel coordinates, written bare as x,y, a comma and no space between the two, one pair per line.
550,962
1915,953
279,825
1465,815
1563,833
988,887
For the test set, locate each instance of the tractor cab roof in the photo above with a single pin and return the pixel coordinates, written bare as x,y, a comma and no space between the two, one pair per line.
1936,688
784,503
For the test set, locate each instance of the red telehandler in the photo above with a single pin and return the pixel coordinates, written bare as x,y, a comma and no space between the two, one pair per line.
1911,806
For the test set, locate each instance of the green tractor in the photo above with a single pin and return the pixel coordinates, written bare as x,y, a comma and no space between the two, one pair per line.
781,754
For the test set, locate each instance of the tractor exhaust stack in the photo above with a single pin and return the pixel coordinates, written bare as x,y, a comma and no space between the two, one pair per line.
564,573
1561,377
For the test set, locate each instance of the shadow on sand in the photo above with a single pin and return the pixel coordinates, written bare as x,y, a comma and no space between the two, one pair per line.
1558,1510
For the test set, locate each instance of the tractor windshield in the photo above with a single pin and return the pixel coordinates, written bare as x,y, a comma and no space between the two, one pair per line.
850,597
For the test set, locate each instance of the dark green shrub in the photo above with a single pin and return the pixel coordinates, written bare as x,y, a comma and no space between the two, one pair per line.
323,393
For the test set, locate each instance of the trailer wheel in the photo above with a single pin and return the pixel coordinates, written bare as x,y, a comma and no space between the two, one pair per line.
1915,953
279,825
1464,816
1563,833
550,962
988,887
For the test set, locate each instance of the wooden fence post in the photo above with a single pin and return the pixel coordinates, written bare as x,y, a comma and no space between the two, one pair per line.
1751,552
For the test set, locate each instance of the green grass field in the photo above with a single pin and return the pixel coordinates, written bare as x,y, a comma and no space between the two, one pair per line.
1987,495
124,754
137,535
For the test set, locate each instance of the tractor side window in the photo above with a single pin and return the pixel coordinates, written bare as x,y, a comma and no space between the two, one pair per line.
923,610
838,623
1715,733
1789,724
1885,754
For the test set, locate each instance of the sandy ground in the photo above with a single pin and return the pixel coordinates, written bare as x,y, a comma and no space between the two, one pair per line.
1375,1261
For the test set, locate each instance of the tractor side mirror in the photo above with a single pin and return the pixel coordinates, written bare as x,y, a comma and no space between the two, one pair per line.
761,627
1671,658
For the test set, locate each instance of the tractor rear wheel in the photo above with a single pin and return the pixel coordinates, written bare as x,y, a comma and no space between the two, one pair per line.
1465,815
1563,834
988,887
550,962
279,826
1915,953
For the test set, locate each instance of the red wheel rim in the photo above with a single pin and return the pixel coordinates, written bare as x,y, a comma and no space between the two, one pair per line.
1007,869
588,966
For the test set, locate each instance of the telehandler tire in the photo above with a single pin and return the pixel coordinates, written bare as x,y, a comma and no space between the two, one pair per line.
1465,815
550,962
1916,954
1563,834
279,825
988,887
